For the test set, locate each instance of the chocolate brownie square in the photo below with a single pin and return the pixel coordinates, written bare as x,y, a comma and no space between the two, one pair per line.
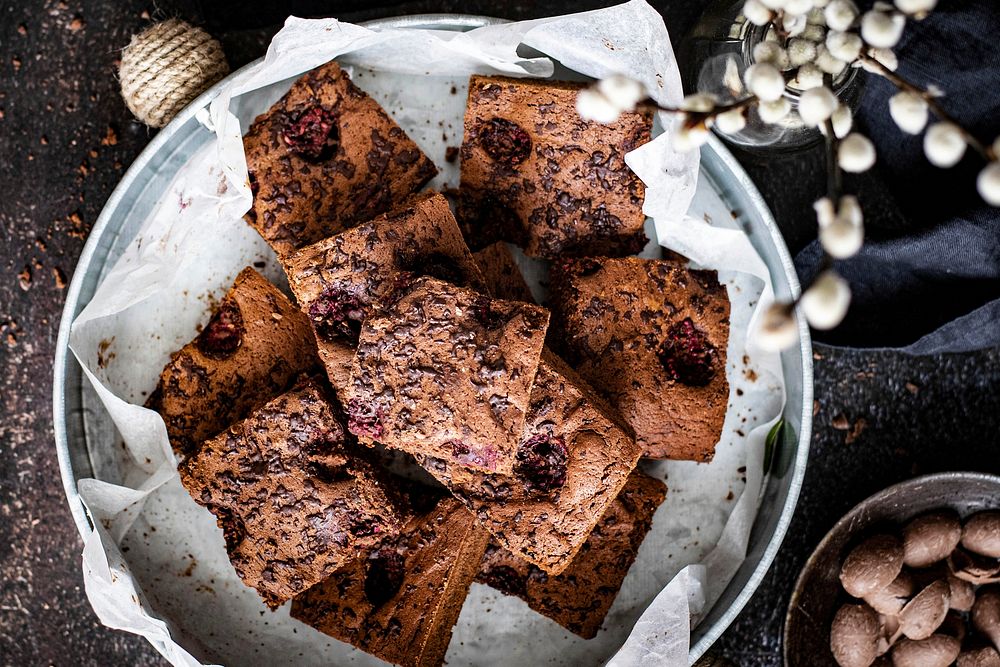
652,336
580,597
324,157
401,602
447,372
339,280
252,348
502,276
573,459
536,174
294,499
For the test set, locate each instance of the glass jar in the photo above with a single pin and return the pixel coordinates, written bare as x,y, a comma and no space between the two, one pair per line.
717,53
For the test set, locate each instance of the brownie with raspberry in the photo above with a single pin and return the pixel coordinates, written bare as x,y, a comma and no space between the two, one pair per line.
446,371
295,500
251,349
580,597
502,274
401,601
535,173
339,280
572,460
324,157
651,335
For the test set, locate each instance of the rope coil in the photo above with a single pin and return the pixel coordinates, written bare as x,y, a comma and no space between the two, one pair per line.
166,66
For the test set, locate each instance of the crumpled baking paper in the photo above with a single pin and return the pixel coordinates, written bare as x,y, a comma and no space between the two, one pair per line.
155,564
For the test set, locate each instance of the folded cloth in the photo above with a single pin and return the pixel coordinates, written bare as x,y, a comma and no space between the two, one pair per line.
931,283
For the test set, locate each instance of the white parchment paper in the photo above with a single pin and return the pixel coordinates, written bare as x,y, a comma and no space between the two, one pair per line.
155,563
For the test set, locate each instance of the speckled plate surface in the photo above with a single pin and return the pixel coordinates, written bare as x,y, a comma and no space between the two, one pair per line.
77,427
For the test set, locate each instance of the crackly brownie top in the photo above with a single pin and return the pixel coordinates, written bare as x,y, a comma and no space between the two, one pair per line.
651,335
325,156
255,343
447,372
580,597
536,174
339,280
573,458
400,602
502,276
294,500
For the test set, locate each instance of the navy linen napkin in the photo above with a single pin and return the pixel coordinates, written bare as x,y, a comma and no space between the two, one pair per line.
928,277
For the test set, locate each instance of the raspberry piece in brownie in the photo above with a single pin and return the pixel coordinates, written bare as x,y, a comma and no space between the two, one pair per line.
447,372
536,174
573,459
580,597
401,601
324,157
255,343
652,336
294,500
339,280
502,276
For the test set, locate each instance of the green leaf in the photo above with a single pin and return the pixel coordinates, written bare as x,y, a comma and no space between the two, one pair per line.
770,441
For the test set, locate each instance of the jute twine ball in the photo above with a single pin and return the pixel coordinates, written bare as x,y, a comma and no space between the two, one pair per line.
166,66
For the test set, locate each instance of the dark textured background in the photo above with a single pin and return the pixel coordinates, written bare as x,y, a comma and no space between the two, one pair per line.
66,137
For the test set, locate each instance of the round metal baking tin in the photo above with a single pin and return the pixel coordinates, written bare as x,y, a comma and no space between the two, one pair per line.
154,168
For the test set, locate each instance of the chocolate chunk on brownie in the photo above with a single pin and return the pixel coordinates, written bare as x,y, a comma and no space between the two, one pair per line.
652,336
580,597
502,276
447,372
294,499
252,348
324,157
401,602
339,280
573,459
536,174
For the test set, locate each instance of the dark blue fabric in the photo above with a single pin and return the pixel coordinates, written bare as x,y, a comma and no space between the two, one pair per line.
928,277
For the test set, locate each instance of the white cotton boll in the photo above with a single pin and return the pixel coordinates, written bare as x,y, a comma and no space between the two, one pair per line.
765,81
881,29
771,52
689,138
773,112
808,76
944,144
843,45
798,6
593,105
801,51
829,63
988,183
777,330
794,24
825,212
856,153
622,91
841,239
814,33
849,208
842,120
826,301
698,102
815,15
816,105
909,110
820,4
731,122
774,4
840,14
757,13
916,7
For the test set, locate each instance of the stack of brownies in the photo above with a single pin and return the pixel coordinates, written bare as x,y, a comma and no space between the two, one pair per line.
514,431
